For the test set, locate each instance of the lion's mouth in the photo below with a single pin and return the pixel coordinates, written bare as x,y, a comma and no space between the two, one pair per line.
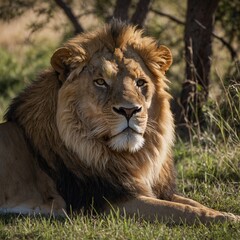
128,130
126,140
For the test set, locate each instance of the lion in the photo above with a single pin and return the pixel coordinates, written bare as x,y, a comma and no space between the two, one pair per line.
95,132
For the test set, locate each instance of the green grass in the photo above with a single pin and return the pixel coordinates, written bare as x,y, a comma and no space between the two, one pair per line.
110,227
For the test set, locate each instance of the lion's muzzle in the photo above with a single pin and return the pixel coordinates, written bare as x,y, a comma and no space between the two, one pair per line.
127,112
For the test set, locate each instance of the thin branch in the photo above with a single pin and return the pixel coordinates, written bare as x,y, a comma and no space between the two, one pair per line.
168,16
69,13
90,12
226,44
222,40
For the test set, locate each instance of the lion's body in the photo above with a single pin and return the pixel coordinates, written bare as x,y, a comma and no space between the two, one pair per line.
95,129
25,188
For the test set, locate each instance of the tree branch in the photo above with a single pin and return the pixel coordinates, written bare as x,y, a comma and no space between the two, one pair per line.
69,13
168,16
141,12
178,21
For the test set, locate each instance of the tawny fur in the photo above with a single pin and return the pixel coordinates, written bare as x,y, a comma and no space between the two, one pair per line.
80,146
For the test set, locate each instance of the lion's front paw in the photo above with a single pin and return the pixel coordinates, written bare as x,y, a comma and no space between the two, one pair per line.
231,217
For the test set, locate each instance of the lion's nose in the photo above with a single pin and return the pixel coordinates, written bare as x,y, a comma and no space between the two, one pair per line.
127,112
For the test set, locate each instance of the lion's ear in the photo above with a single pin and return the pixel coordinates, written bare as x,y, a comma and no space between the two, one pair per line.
60,62
166,58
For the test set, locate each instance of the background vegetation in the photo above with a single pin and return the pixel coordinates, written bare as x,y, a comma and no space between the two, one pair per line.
207,155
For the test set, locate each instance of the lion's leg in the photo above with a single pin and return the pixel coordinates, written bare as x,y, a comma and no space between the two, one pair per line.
152,209
28,208
180,199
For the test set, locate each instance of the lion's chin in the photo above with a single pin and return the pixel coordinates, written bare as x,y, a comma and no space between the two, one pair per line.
127,140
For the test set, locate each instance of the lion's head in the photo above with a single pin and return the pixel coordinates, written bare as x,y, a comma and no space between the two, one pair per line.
113,89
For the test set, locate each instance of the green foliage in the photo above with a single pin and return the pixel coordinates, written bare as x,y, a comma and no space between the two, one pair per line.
228,15
10,73
17,71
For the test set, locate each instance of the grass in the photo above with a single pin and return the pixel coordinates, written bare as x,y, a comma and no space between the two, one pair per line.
208,171
108,227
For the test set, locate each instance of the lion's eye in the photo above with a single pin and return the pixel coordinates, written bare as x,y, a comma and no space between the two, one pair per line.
140,82
100,82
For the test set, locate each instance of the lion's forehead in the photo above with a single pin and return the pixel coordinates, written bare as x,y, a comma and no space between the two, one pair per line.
128,66
120,63
109,68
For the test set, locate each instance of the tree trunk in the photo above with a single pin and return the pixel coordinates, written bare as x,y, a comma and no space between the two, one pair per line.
138,17
198,51
121,9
